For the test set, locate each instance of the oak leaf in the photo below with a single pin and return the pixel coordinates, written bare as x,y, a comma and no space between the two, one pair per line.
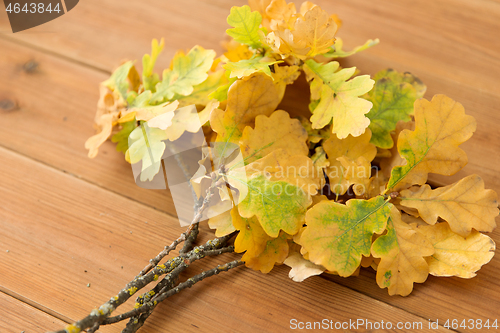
261,6
319,158
339,98
236,51
221,218
297,170
272,133
285,74
465,205
338,52
392,158
245,25
440,127
122,81
146,145
187,71
275,252
352,148
121,138
402,253
393,97
251,237
303,35
357,173
150,79
301,268
201,92
337,235
247,98
455,255
278,205
245,67
148,112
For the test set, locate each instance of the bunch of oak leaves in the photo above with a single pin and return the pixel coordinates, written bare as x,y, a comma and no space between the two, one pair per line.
352,173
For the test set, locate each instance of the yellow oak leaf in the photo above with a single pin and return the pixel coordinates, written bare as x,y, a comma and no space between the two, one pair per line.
356,172
401,252
337,235
261,6
302,35
275,252
455,255
282,14
251,237
204,165
314,135
441,125
221,218
272,133
105,128
182,120
149,112
285,74
236,51
340,99
465,205
352,148
301,267
308,5
247,98
297,170
394,159
112,102
319,158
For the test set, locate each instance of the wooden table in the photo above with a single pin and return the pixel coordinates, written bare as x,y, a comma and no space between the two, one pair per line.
73,231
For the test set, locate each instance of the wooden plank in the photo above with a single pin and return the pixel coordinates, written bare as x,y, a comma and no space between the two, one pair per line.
63,233
20,317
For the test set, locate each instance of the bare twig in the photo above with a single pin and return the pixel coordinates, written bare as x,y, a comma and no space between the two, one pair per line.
184,285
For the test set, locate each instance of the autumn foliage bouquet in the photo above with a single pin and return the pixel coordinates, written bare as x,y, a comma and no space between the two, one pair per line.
342,187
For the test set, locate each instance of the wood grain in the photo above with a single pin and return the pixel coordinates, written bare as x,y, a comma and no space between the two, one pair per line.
75,233
54,196
19,317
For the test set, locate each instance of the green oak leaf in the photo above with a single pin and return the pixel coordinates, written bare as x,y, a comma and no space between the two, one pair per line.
244,68
121,138
337,52
278,205
146,145
188,70
393,97
202,92
337,235
245,25
120,81
150,79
